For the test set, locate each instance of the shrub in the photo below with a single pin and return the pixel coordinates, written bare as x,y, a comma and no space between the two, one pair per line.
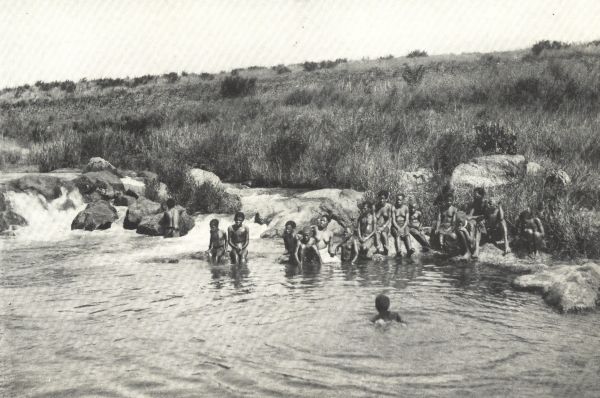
281,69
542,45
142,80
386,57
413,76
68,86
493,138
171,77
206,76
285,151
416,54
525,90
299,97
310,66
62,151
237,86
108,82
451,149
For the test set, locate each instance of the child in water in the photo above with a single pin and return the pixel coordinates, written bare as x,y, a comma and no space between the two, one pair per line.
217,246
171,217
349,247
382,303
238,238
290,238
307,248
531,232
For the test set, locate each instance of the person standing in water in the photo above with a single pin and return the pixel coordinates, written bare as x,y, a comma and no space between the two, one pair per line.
366,230
238,238
323,236
218,242
383,219
171,219
400,231
349,247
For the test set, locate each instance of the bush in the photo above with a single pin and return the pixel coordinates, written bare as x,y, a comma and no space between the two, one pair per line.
451,149
206,76
281,69
416,54
171,77
524,91
540,46
299,97
68,86
285,151
108,82
63,151
413,76
237,86
142,80
492,138
310,66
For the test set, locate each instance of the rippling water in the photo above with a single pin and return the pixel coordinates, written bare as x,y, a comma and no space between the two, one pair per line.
106,314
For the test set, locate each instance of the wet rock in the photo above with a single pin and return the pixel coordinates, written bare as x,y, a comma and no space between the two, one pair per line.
10,219
493,256
568,287
557,179
134,187
154,225
139,209
124,200
47,186
99,164
105,183
199,177
489,171
97,215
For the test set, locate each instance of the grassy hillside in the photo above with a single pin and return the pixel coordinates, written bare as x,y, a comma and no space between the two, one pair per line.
342,124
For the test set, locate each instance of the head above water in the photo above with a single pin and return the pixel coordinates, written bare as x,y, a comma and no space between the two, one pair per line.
382,303
214,223
170,203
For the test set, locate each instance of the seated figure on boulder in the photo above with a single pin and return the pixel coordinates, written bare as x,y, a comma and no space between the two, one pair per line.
171,220
443,233
415,225
531,232
465,235
366,230
400,229
238,238
487,222
349,247
217,247
383,218
307,250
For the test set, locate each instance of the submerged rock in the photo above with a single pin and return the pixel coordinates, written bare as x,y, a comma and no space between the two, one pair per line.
97,215
568,287
489,171
105,183
10,219
139,209
154,225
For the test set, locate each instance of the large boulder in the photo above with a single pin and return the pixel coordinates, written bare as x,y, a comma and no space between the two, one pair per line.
489,171
47,186
138,187
139,209
124,200
97,215
99,164
568,287
10,219
411,180
104,183
199,177
154,225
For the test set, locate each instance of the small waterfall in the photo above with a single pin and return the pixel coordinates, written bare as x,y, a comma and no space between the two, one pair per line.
46,220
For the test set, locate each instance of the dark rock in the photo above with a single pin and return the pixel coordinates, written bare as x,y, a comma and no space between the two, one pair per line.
131,193
124,200
140,208
97,215
154,225
47,186
105,183
9,218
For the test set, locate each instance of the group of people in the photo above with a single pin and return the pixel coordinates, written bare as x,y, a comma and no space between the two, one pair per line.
454,231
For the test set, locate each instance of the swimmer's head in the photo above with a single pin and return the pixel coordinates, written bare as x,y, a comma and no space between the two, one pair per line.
290,226
170,203
323,221
214,224
382,303
239,218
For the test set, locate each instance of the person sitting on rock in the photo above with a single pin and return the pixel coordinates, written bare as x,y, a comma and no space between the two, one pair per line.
217,246
307,250
383,218
290,238
444,226
382,304
486,221
349,247
400,230
464,235
531,232
366,230
415,225
171,218
238,238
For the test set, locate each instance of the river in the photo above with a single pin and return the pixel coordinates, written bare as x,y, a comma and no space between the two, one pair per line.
111,314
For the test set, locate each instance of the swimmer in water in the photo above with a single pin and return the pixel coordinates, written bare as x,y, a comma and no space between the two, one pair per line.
290,238
382,303
349,247
217,247
238,238
307,248
323,236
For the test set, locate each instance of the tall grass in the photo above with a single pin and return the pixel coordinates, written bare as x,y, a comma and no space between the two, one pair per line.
351,126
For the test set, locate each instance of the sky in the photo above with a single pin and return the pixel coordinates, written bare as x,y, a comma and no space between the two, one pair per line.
72,39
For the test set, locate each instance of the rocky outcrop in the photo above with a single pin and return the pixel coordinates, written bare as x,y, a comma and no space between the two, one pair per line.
103,183
97,215
568,287
411,180
99,164
9,219
133,185
154,225
489,171
124,200
534,169
199,177
141,208
47,186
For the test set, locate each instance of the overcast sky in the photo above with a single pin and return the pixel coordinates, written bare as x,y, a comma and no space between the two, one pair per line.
72,39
